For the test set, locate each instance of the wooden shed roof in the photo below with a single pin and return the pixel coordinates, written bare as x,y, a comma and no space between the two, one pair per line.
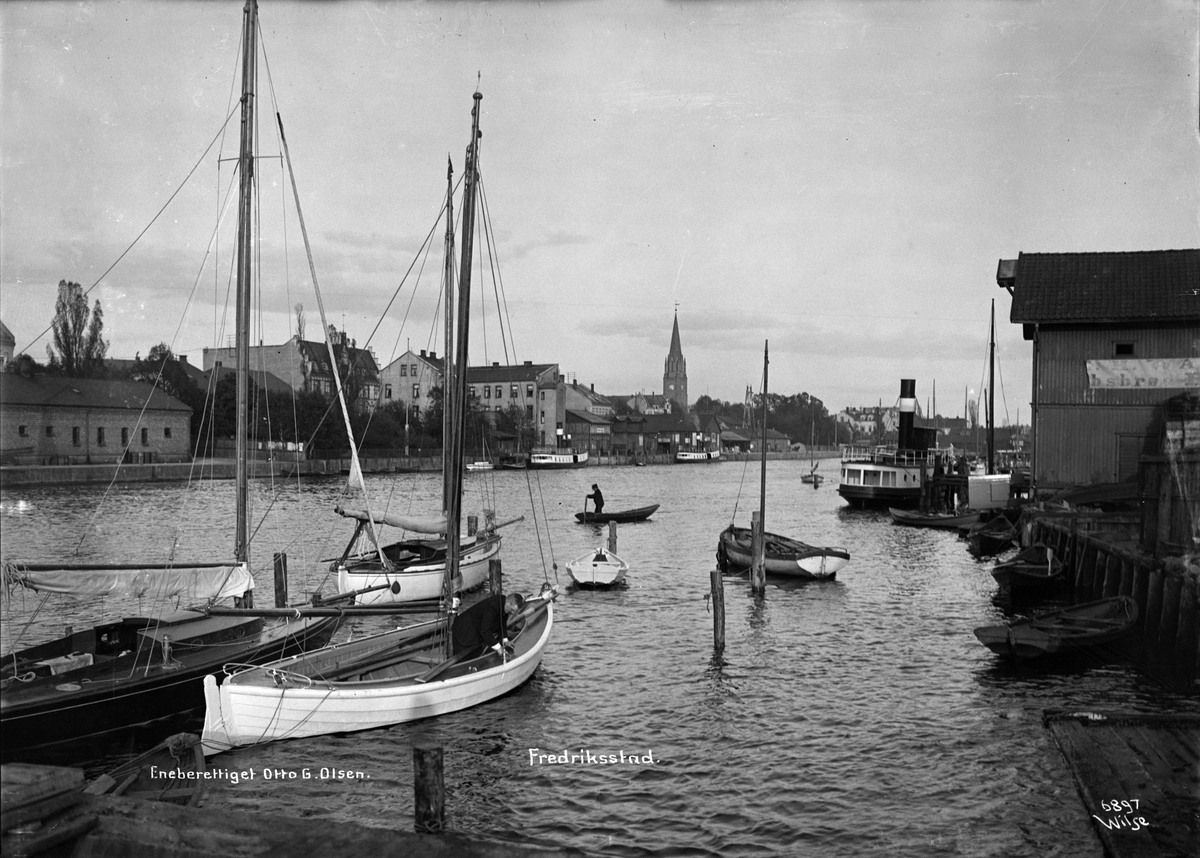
1115,287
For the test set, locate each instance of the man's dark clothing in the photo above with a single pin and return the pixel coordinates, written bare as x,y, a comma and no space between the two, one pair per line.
598,499
479,626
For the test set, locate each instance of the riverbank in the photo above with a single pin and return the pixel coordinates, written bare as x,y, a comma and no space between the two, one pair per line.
279,468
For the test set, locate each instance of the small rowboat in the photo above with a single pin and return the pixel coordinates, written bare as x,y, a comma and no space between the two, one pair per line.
599,568
783,555
1034,570
626,515
991,537
945,520
1065,631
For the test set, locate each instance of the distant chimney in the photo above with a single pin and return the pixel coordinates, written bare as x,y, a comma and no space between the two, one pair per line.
422,352
908,407
528,363
495,363
433,355
182,359
593,387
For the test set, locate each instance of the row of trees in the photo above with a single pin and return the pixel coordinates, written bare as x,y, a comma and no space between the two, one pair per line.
800,417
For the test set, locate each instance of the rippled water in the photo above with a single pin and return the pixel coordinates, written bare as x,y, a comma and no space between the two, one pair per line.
852,717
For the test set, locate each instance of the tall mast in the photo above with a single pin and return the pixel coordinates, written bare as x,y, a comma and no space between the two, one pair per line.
447,356
454,463
762,493
991,436
246,186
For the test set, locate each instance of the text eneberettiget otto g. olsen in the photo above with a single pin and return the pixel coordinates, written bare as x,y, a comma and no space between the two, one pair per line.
585,757
236,776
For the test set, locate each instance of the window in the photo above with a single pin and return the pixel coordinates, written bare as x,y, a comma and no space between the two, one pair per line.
145,437
49,431
75,439
416,391
487,391
387,391
166,431
413,370
529,390
404,370
100,436
124,436
529,411
543,395
499,391
513,391
1122,349
22,431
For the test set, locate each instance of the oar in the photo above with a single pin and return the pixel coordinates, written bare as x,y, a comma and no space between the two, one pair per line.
434,671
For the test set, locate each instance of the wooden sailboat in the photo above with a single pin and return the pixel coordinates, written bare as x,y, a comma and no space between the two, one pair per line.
812,477
414,569
780,555
401,675
99,680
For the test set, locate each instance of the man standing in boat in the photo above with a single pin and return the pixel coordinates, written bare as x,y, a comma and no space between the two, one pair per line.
484,625
597,498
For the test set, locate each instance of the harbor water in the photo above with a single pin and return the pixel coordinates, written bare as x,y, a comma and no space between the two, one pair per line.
855,717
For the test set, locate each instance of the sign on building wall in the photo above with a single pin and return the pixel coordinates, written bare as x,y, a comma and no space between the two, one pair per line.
1133,374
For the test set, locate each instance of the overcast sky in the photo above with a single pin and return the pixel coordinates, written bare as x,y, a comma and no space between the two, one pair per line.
839,178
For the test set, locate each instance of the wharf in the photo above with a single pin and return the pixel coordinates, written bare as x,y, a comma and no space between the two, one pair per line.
39,819
1138,776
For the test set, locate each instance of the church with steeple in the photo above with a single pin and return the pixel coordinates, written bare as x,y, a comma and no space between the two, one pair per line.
675,370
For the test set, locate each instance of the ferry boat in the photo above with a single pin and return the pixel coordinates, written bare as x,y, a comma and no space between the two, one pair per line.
890,475
557,459
683,457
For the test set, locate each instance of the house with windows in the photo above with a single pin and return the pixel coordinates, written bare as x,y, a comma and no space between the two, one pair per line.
1115,336
57,420
306,367
409,379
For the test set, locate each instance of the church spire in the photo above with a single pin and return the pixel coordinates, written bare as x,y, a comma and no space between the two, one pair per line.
675,370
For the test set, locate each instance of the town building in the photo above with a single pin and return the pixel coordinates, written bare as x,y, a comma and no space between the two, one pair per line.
8,344
410,378
305,366
1115,336
59,420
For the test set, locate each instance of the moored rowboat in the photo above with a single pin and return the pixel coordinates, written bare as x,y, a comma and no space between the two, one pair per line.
782,555
1066,630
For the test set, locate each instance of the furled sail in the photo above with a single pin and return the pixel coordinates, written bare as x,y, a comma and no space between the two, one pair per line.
200,582
415,523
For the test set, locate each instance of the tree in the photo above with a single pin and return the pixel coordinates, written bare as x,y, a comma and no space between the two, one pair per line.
162,369
78,335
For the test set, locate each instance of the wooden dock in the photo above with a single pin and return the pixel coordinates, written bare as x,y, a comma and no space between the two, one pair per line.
1139,777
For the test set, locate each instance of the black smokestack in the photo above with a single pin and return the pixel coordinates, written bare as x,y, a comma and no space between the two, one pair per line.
908,407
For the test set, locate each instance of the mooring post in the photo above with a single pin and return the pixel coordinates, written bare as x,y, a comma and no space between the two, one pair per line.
612,537
472,525
281,588
758,573
429,790
495,577
718,603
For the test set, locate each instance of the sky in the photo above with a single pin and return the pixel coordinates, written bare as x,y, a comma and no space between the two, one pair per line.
837,179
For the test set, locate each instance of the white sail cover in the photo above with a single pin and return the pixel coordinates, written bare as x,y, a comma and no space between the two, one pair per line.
416,523
191,583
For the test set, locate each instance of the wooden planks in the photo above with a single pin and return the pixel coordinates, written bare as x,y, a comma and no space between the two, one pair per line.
39,808
1139,777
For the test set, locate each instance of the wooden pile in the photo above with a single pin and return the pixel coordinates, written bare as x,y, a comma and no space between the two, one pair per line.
40,808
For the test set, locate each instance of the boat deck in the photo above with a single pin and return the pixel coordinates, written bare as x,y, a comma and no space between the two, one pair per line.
1138,776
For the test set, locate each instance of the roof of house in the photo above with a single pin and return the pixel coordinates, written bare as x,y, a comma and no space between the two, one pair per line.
6,336
1136,286
262,379
574,416
499,373
58,391
318,352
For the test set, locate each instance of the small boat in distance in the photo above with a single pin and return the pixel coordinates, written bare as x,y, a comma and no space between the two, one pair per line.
945,520
1065,631
622,516
597,569
480,465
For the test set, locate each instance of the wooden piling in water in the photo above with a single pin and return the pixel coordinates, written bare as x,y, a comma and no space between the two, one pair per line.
1112,576
1153,607
495,576
718,603
758,570
1169,625
1187,643
281,585
429,788
612,537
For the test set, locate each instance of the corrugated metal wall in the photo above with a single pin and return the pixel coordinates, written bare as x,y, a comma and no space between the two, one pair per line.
1079,434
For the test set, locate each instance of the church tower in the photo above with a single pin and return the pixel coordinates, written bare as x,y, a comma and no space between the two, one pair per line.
675,370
